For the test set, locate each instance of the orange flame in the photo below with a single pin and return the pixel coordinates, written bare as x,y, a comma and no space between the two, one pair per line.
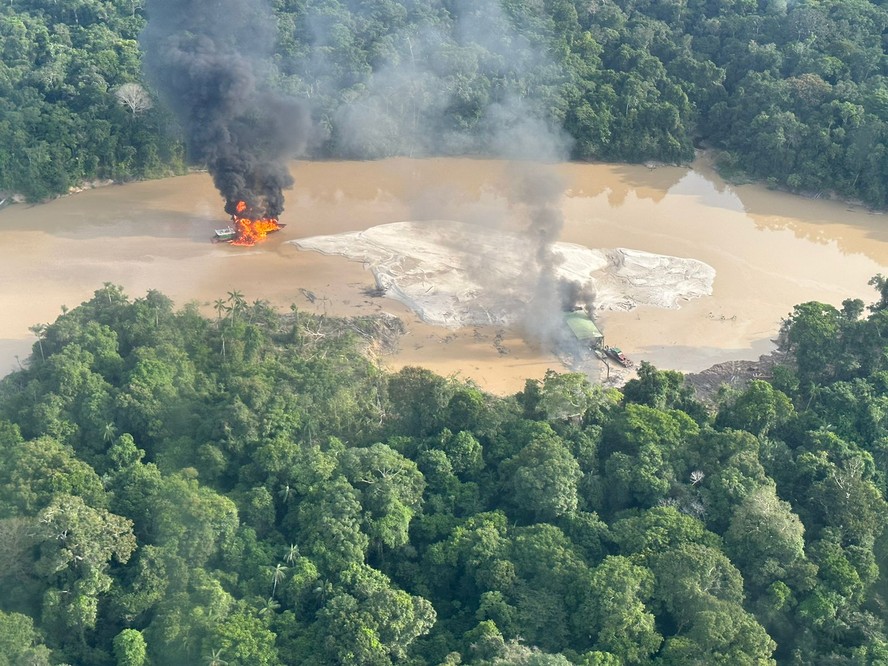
250,231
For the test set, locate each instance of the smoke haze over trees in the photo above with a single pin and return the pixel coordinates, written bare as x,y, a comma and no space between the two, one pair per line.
460,78
791,92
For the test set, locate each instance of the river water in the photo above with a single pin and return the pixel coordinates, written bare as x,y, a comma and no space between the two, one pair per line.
771,250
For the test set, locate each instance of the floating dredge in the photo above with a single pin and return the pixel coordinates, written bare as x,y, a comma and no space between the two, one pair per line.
585,330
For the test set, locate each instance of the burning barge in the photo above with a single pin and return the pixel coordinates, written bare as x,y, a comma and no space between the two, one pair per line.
246,228
230,235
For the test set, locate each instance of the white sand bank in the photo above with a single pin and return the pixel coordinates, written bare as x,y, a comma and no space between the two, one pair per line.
458,275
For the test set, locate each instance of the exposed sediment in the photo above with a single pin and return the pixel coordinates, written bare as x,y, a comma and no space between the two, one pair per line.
457,275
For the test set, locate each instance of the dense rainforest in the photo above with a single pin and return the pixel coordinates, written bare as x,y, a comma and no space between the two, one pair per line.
249,489
791,92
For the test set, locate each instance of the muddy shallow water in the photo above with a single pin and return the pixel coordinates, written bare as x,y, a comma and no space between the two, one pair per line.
770,250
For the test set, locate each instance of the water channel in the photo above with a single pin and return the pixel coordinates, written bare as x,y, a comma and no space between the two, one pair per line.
770,250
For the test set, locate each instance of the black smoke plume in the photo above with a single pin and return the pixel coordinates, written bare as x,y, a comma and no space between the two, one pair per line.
206,58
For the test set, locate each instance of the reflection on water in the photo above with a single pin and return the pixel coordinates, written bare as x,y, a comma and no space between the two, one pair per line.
852,228
770,250
710,192
854,231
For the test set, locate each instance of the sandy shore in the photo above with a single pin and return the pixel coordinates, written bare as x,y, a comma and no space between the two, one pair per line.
769,250
457,275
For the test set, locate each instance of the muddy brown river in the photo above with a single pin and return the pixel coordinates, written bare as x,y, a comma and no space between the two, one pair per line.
770,250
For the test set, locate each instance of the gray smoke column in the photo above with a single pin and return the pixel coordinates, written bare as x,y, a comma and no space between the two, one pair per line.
539,189
206,58
503,83
533,143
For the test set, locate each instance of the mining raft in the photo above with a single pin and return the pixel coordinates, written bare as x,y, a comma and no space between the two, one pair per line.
225,235
229,234
585,330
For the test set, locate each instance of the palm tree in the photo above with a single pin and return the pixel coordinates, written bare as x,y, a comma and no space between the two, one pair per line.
292,553
216,658
108,432
155,302
270,606
39,330
220,307
277,575
111,289
285,491
260,310
237,301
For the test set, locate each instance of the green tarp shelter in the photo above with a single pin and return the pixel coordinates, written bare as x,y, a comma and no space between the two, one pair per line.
583,328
